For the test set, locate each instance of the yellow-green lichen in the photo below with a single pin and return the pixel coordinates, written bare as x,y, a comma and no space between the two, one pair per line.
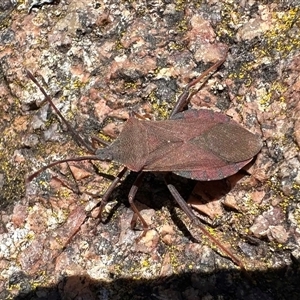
182,26
243,73
174,46
30,236
161,109
130,85
274,92
174,259
279,40
13,172
118,45
63,193
279,37
145,263
230,19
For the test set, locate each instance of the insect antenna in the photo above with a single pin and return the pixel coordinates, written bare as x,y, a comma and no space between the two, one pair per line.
72,131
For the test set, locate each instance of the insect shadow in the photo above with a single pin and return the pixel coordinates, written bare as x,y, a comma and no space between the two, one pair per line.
155,195
196,144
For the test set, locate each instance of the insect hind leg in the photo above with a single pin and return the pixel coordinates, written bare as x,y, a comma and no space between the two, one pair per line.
188,211
137,214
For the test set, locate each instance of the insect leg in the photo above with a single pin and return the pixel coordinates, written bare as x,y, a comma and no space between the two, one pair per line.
182,203
188,92
108,192
131,197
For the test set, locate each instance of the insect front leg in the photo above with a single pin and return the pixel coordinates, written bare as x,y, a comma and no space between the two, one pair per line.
96,140
189,92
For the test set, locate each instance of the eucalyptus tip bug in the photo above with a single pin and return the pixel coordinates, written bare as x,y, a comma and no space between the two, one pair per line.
198,144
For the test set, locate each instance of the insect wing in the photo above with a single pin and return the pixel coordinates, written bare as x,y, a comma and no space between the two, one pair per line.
202,145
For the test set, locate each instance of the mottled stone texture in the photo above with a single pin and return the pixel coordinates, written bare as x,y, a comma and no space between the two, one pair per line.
102,60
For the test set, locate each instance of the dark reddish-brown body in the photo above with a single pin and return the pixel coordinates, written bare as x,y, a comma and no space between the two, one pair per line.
198,144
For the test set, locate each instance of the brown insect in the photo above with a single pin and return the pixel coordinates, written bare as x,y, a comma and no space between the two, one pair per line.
197,144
